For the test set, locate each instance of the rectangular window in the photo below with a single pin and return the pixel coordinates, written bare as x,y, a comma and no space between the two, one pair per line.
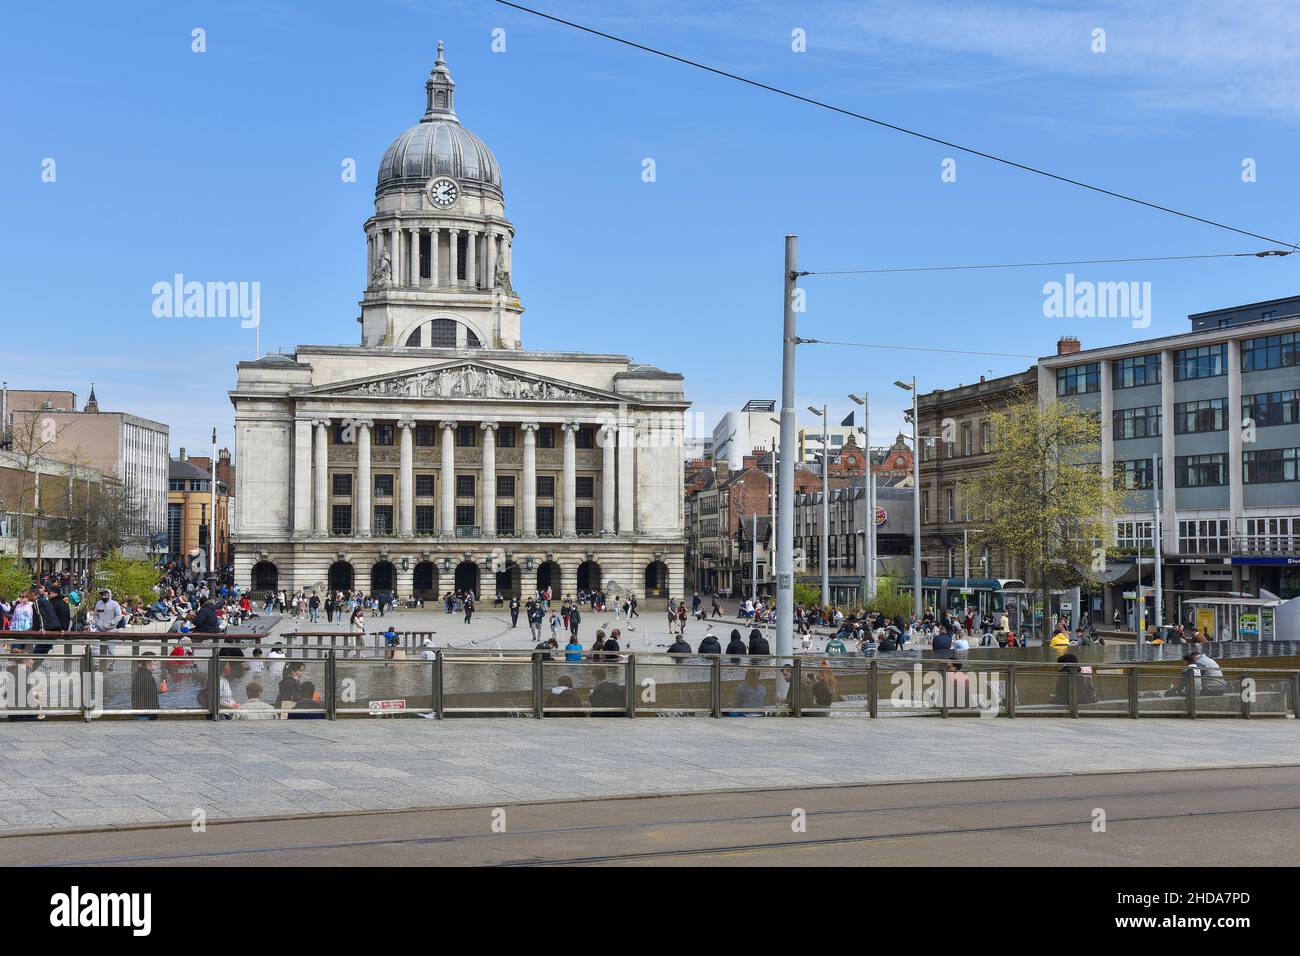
505,519
1134,535
464,516
925,507
586,437
506,436
341,519
1078,379
342,485
383,519
1270,351
1203,536
466,435
343,434
1135,371
545,519
986,437
546,486
585,487
1204,362
424,519
952,505
384,434
1137,422
426,435
1269,465
546,437
1208,415
1200,471
966,447
1271,408
505,486
424,486
1133,475
383,486
586,521
465,486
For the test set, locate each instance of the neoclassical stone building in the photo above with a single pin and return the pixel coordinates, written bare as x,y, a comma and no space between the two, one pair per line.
439,453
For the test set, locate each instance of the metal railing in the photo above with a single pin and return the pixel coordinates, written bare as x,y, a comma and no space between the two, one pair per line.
92,678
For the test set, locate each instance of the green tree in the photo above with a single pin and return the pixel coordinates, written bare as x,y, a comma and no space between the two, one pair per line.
1043,502
126,577
14,576
890,601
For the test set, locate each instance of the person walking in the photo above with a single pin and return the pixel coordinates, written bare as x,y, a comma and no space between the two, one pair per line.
357,626
469,605
514,611
575,618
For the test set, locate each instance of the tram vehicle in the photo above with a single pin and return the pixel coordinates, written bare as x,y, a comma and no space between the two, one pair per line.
979,594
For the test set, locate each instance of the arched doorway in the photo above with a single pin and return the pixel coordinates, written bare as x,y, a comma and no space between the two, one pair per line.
508,581
340,576
383,576
424,582
266,576
589,576
656,581
550,576
467,577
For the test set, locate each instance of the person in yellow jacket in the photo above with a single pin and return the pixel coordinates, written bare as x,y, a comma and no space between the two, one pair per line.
1060,642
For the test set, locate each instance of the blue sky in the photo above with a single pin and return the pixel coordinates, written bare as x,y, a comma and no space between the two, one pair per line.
225,166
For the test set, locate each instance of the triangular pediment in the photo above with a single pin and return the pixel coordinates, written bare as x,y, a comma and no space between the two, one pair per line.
463,380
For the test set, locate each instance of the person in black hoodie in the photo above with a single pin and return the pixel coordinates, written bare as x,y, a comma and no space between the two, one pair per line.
607,694
144,689
612,647
758,643
49,621
736,646
206,621
710,644
680,646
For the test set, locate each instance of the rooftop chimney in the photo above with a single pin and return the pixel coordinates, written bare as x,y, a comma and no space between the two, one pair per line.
184,457
1067,345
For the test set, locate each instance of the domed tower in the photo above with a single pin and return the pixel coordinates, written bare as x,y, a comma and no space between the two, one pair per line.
438,248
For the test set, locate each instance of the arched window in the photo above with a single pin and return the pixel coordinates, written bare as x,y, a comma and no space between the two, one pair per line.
471,340
413,340
443,334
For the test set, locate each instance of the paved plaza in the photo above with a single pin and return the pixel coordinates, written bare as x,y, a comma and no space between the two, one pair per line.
71,774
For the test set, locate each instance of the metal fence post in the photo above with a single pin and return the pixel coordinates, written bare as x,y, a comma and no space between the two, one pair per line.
796,688
87,678
943,693
1074,690
537,684
214,683
873,697
1245,701
1133,709
629,682
331,677
1011,689
437,685
1191,691
715,686
1295,694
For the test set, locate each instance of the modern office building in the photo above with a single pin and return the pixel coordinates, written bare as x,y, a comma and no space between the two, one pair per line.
1212,417
738,433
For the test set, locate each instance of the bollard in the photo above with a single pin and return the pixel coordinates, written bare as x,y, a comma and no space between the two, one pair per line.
538,690
629,682
715,686
214,684
1011,689
796,688
1245,702
87,676
1074,690
873,699
437,685
331,699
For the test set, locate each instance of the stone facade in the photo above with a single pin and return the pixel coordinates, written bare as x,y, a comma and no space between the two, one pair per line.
439,453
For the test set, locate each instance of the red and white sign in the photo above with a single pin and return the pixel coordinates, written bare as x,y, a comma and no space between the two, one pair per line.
380,707
881,516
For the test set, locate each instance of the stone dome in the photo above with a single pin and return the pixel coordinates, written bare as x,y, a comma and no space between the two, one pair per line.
439,146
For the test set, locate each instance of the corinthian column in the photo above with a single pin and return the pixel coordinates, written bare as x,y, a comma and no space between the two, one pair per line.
608,441
322,475
488,493
361,435
448,479
471,272
405,480
530,478
452,256
570,430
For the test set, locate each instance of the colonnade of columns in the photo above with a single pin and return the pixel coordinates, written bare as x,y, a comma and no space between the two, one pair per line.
616,484
483,247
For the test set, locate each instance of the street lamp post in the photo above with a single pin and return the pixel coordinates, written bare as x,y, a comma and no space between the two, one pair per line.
869,536
826,506
916,494
785,530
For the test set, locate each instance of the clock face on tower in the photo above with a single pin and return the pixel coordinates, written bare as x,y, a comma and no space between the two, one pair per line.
443,192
